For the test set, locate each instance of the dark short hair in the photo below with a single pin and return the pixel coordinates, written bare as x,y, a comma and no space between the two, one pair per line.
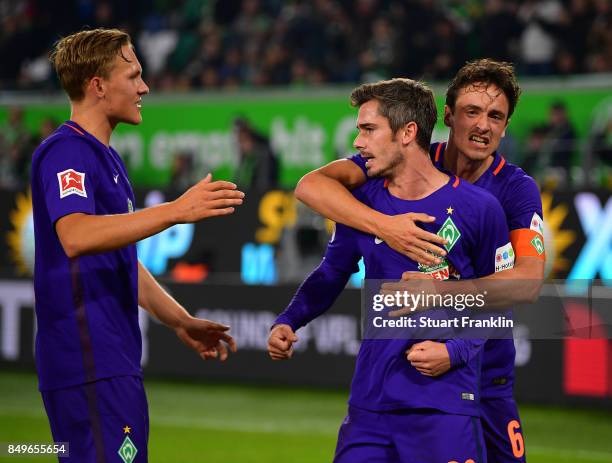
86,54
402,101
486,71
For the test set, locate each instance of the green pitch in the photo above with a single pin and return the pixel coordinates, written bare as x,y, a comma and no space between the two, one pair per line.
206,423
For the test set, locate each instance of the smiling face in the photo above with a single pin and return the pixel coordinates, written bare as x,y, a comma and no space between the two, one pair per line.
479,120
376,141
124,88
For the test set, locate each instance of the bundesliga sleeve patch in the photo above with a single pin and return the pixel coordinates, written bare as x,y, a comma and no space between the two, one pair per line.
504,258
71,182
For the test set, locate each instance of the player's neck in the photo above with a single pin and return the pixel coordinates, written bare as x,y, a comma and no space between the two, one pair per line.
92,121
462,166
416,178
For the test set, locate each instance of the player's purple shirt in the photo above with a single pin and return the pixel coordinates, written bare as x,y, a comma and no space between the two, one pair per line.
520,199
384,379
86,307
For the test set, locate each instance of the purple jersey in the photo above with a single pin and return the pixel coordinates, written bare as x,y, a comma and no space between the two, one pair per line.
384,380
520,199
86,307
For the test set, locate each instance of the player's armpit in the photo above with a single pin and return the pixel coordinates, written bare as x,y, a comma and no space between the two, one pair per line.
527,243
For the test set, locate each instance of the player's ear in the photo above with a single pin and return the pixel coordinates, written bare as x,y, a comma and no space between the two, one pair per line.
448,113
409,132
97,86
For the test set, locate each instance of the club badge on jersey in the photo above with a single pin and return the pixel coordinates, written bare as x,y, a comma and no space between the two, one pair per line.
444,270
71,182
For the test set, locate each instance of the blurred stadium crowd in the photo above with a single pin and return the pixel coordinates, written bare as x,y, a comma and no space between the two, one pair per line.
200,44
187,45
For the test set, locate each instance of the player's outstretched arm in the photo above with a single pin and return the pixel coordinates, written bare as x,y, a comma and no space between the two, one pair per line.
209,339
326,190
317,292
82,233
280,342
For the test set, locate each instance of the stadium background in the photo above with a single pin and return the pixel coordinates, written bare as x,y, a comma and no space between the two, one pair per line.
257,91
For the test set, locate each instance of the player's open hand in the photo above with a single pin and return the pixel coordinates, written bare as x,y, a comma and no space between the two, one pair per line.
280,342
207,199
402,234
209,339
430,358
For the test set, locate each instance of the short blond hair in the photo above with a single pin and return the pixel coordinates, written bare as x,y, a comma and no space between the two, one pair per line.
86,54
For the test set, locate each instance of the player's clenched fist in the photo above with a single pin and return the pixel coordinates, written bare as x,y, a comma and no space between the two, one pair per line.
280,342
207,199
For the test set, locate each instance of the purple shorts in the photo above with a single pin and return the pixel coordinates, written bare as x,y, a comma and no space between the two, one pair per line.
502,430
409,436
103,421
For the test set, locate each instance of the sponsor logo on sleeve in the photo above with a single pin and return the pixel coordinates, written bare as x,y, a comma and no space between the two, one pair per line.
537,224
71,182
504,258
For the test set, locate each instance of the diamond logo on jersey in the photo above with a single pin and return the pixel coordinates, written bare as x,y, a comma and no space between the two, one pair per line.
537,224
71,182
128,450
536,242
504,258
450,233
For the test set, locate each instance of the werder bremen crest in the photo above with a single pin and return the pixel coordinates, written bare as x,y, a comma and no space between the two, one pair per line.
444,270
128,450
536,242
450,233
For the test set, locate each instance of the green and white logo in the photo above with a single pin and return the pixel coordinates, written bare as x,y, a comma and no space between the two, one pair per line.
128,450
450,233
433,267
130,206
536,242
